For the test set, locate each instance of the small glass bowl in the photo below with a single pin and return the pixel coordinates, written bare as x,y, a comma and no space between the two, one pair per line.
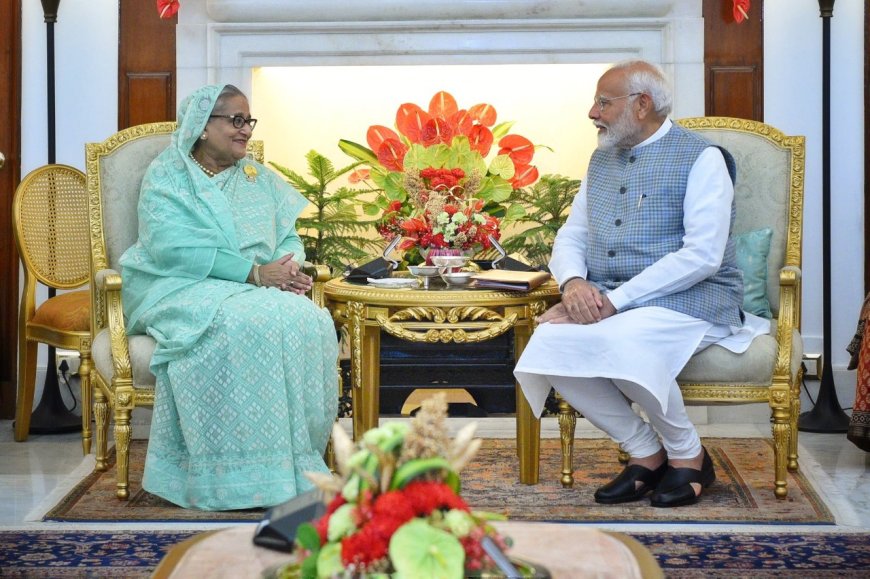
458,279
453,262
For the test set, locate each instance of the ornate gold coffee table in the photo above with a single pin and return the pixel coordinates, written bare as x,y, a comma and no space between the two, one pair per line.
435,315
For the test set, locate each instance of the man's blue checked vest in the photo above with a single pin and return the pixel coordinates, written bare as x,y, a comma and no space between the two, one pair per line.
635,209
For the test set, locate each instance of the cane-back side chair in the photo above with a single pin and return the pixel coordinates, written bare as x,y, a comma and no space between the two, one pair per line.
49,214
122,378
769,194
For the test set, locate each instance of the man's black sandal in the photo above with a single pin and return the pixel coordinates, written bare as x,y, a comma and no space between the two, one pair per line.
623,489
675,489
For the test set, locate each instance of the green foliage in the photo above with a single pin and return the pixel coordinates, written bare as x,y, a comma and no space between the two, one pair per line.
334,234
546,205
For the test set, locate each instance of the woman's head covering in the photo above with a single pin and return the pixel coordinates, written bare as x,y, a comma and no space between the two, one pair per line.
193,115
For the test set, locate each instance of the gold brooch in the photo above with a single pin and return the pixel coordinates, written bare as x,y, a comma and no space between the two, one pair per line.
251,172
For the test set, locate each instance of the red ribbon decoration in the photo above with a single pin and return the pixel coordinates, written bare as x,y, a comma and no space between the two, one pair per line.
741,10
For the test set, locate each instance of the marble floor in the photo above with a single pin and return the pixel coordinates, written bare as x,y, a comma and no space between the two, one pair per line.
34,476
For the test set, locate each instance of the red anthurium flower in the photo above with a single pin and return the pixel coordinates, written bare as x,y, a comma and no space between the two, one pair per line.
740,10
391,154
483,114
525,175
167,8
519,149
443,105
377,134
359,175
462,121
480,139
410,120
437,130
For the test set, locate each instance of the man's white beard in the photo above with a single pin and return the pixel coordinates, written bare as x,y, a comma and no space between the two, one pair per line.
621,133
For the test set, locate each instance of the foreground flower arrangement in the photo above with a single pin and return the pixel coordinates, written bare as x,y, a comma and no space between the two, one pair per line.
396,507
438,190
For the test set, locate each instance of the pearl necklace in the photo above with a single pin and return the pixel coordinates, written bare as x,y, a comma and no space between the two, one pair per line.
208,172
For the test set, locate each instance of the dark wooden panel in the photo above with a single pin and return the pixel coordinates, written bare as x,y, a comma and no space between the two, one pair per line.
150,97
146,76
733,53
10,175
733,91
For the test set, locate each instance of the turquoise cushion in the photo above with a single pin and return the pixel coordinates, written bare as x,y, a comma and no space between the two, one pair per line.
752,248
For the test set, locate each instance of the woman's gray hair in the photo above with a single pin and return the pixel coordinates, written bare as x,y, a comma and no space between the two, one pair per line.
649,79
228,92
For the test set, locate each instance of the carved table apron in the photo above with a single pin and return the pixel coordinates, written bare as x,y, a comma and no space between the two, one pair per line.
433,316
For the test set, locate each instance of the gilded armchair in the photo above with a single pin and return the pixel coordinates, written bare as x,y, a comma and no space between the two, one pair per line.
769,194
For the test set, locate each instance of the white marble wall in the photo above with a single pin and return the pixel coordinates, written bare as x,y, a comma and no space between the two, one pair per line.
221,41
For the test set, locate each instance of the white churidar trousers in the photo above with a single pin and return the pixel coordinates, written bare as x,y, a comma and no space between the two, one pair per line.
634,356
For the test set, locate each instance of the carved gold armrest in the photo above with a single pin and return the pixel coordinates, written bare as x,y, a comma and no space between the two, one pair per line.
108,286
789,319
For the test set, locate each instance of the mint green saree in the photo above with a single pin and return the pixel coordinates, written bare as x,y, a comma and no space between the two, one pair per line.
246,376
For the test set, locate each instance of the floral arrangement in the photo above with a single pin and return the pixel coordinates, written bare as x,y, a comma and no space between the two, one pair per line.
396,506
438,190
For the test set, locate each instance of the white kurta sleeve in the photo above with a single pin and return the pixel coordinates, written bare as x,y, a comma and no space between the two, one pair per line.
706,220
568,258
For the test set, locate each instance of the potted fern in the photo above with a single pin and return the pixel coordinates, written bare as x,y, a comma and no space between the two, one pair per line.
546,205
335,234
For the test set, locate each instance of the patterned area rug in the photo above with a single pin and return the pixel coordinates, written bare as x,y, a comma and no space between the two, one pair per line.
135,554
742,493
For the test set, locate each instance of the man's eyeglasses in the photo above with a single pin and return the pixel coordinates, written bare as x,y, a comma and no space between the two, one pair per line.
603,102
237,120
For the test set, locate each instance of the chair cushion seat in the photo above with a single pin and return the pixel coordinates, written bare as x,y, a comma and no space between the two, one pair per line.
141,350
68,312
718,365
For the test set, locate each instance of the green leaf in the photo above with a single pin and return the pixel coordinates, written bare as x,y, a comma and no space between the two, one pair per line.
329,561
502,166
306,535
358,152
415,468
500,130
417,549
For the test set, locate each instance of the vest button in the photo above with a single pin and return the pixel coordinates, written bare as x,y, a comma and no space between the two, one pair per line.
622,189
618,222
631,159
611,253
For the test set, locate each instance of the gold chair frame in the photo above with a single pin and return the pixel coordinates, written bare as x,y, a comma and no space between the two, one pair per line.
49,221
120,391
782,392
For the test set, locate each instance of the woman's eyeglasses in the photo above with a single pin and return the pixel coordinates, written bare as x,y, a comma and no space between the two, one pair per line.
237,120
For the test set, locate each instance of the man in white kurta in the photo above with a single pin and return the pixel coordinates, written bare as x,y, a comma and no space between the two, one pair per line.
618,337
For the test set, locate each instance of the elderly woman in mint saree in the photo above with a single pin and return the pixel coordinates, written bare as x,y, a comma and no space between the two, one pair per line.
246,390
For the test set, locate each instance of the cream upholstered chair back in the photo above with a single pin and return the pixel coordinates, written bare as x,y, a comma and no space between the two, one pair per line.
122,377
769,193
769,187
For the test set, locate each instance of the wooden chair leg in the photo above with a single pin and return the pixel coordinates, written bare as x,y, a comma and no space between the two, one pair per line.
87,399
101,420
623,456
567,430
122,450
781,445
793,423
26,385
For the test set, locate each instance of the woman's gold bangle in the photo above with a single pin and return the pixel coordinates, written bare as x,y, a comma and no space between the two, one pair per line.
257,275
